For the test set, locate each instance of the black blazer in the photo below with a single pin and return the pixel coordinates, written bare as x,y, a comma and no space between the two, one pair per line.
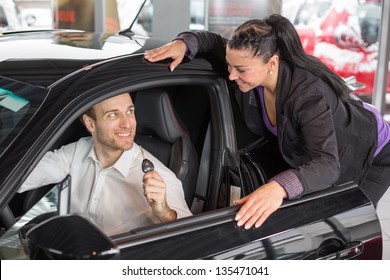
325,141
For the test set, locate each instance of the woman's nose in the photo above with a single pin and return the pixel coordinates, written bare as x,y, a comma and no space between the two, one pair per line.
232,75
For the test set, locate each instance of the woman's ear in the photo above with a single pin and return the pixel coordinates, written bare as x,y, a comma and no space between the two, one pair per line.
273,63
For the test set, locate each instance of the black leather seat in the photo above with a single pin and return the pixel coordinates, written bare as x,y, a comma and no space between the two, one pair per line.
162,133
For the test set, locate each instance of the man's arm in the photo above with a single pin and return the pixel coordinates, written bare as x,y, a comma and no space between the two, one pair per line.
51,169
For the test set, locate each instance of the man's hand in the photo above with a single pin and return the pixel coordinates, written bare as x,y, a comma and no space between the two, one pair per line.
155,193
175,50
259,205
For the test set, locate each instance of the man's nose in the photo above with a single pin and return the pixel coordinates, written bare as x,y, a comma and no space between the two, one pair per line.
125,121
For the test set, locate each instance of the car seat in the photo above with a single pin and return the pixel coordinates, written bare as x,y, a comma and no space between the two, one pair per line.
162,133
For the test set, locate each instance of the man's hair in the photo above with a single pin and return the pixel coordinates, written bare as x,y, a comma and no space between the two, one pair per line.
91,111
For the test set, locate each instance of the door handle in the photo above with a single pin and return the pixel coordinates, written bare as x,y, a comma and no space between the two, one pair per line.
336,249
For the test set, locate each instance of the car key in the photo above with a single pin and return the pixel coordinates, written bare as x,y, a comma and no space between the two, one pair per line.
147,165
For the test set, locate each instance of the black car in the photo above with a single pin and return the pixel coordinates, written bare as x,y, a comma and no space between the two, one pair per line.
190,121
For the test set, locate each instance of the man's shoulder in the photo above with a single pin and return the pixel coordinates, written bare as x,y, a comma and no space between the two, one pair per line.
83,141
83,144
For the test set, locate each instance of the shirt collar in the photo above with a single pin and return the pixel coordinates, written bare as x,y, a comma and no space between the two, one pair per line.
124,162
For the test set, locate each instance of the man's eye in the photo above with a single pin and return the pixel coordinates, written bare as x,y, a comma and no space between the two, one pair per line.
130,112
112,115
240,70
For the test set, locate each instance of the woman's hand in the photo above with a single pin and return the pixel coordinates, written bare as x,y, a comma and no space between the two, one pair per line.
259,205
175,50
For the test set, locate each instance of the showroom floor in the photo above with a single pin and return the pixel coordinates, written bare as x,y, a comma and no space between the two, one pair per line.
383,210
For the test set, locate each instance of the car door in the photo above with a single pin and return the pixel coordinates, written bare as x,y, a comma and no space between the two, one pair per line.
336,224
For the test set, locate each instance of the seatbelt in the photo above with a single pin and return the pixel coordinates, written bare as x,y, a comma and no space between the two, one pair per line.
202,181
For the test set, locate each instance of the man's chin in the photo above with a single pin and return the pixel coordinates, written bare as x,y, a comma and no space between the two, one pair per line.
126,147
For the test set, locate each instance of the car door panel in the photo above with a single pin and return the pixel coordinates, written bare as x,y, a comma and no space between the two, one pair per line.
296,230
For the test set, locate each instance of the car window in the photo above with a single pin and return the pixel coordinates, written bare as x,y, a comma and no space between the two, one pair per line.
11,245
18,104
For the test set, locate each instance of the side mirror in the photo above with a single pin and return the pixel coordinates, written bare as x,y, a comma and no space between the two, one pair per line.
69,237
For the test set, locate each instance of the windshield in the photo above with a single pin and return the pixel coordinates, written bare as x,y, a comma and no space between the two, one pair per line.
18,104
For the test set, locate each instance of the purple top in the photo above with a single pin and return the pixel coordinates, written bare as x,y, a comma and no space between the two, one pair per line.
383,128
267,123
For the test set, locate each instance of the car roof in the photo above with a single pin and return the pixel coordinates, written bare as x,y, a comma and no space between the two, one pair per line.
66,44
50,54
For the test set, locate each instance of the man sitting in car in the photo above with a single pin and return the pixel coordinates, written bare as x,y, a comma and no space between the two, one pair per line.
109,187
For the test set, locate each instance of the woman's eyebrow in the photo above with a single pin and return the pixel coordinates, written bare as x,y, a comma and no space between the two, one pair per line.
235,66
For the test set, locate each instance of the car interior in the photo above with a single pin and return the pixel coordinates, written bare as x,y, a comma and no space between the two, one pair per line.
161,131
166,127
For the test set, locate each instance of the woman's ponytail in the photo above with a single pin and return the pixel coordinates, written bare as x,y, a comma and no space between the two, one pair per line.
291,49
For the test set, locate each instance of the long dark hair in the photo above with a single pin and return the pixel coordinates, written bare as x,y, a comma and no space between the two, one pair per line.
276,35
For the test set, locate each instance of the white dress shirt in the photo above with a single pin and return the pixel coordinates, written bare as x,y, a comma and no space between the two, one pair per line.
111,198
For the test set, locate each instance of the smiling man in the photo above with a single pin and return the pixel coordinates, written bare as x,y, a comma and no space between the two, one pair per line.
108,185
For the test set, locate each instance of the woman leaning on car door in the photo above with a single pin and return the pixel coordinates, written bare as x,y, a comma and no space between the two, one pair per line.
325,136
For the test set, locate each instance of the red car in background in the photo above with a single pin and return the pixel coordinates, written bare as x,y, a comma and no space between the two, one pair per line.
342,34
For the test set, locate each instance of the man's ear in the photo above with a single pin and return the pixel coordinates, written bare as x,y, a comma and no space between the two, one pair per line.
89,123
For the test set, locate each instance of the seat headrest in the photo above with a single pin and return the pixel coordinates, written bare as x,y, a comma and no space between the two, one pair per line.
157,117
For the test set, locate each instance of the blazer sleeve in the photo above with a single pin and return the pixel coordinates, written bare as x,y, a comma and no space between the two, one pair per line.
204,42
320,166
